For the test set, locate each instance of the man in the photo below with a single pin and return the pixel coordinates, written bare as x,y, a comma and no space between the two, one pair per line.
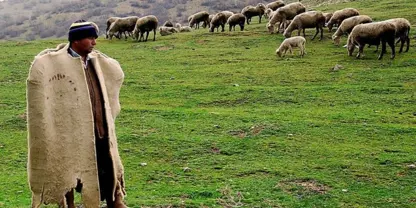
72,102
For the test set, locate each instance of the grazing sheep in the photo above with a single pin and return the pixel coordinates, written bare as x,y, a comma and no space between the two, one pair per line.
181,28
109,22
227,14
197,18
307,20
145,24
402,31
168,24
340,15
236,19
209,20
251,11
328,16
163,30
275,5
284,13
289,43
122,25
372,34
348,24
218,20
268,13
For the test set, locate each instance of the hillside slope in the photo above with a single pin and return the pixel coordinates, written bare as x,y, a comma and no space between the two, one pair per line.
37,19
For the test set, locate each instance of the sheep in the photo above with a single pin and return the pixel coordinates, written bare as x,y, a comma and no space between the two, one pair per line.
236,19
251,11
289,43
284,13
307,20
328,16
163,30
145,24
348,24
209,20
195,19
402,31
340,15
122,25
181,28
109,22
275,5
218,20
168,24
372,34
268,13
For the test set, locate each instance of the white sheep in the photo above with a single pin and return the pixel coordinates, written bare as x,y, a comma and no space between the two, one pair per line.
289,43
251,11
347,25
163,30
145,25
196,18
122,25
311,19
236,19
340,15
285,13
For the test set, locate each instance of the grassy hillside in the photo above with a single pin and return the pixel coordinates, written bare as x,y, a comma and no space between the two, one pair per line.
222,122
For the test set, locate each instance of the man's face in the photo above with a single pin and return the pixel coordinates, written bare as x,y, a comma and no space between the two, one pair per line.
84,46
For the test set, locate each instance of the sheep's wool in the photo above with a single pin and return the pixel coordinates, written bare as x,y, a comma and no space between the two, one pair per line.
60,125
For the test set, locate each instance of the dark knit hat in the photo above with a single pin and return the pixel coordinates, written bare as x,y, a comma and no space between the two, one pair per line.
81,29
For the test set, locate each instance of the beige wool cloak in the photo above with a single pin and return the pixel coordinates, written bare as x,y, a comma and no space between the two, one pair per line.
61,138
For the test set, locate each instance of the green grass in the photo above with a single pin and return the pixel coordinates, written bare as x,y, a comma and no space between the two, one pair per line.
244,121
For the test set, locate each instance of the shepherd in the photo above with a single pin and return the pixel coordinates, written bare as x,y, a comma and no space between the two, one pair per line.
72,103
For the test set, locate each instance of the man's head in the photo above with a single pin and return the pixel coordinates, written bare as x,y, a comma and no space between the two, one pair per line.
82,36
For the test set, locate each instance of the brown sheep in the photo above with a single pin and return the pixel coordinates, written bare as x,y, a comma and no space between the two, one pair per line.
236,19
372,34
218,20
307,20
251,11
402,31
340,15
209,20
195,19
145,24
285,13
348,24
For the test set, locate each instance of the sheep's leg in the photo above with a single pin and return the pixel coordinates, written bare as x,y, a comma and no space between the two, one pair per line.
408,43
360,50
322,32
401,44
260,18
147,35
299,29
290,50
231,27
316,33
222,26
154,34
383,49
393,49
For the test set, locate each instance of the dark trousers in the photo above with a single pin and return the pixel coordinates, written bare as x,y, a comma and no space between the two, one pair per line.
105,168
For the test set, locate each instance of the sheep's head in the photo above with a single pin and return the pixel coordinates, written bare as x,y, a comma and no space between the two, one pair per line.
270,27
278,52
336,39
287,34
350,47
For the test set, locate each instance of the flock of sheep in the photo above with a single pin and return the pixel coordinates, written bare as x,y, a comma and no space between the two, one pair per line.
283,18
